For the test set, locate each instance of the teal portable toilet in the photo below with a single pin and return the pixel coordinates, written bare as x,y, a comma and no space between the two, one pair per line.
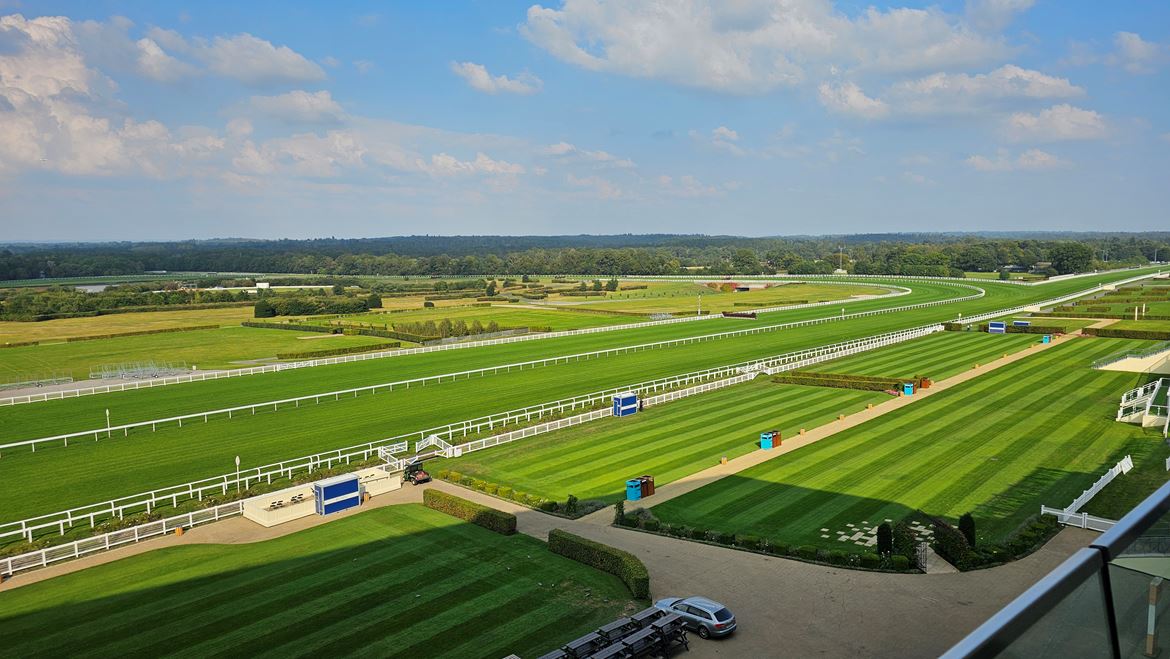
1047,339
765,440
908,388
633,489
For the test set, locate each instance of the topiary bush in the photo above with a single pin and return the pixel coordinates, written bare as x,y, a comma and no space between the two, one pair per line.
491,488
489,518
652,525
698,534
504,492
442,474
903,539
899,562
967,528
836,557
747,542
870,560
725,538
807,552
620,563
885,538
452,476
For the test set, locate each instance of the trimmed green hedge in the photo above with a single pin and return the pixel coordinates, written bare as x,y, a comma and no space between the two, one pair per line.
489,518
19,344
1106,332
312,354
165,330
839,381
621,564
292,326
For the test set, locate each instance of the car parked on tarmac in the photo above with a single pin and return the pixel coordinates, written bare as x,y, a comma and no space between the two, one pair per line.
705,617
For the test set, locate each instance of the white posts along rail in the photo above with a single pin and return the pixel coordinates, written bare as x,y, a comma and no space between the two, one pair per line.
147,501
107,541
96,433
345,359
1051,302
1079,520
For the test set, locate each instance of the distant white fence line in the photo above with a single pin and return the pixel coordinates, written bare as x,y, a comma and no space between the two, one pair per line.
104,542
1012,282
345,359
97,433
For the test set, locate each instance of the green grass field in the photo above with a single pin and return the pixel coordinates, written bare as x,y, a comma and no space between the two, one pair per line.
63,328
684,299
937,356
1035,432
669,441
1144,325
400,581
210,349
87,472
510,315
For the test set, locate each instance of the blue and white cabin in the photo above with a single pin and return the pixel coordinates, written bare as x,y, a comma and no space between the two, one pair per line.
337,494
997,327
625,404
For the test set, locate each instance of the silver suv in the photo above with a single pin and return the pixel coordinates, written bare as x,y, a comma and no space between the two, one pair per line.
706,617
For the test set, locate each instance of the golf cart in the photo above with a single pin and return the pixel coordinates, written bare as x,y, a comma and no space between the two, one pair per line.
415,474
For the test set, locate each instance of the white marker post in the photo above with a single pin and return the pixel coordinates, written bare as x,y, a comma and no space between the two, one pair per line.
237,474
107,423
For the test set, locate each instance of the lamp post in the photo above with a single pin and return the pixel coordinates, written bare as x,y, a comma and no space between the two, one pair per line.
237,474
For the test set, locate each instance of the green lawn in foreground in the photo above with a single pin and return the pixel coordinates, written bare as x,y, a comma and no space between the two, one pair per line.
937,356
207,349
1038,431
400,581
670,441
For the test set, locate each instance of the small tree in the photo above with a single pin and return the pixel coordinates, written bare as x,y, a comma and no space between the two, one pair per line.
1004,275
612,284
493,326
583,286
374,301
338,289
263,309
885,538
903,540
571,505
596,284
967,528
445,327
619,511
525,279
491,288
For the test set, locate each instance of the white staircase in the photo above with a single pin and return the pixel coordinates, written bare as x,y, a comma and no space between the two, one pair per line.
1147,405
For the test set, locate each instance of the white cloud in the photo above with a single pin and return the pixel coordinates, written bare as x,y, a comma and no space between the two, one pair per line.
239,128
847,98
601,187
331,61
363,66
688,186
568,152
300,106
1057,123
55,106
916,178
1135,54
243,57
153,62
965,93
994,15
478,77
725,133
1032,159
442,164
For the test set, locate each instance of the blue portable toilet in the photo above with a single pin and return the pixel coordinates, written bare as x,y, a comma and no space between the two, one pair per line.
633,489
336,494
625,404
1047,339
766,440
908,388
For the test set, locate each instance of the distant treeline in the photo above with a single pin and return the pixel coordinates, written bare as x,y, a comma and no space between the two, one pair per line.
907,254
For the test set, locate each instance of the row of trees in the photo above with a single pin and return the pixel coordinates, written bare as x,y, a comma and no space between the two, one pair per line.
898,254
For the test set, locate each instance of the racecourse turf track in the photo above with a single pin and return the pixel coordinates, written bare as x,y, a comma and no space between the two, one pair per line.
401,581
1037,431
86,472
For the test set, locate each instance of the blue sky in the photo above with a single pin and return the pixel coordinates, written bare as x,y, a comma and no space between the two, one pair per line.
284,119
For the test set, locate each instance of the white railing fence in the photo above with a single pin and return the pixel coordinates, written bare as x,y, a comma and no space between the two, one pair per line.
106,541
346,359
1122,467
1079,520
229,412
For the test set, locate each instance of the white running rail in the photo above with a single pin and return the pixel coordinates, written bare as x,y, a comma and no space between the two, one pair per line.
106,541
1122,467
97,433
345,359
1079,520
